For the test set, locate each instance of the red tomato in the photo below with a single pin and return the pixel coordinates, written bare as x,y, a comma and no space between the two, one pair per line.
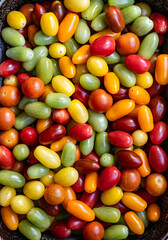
9,67
47,5
23,31
160,23
33,87
75,223
158,159
128,159
81,94
120,139
108,178
103,46
60,230
100,101
31,158
156,184
158,107
127,124
137,63
122,94
21,77
161,40
159,133
61,116
86,166
92,156
130,179
81,132
52,210
90,198
146,196
155,90
79,185
93,231
7,118
29,136
9,96
121,207
39,10
7,159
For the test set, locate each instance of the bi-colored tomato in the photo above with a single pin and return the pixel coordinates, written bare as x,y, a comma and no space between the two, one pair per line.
130,179
156,184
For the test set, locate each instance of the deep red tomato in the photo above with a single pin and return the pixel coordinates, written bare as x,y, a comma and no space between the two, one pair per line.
103,46
61,116
75,223
161,40
81,94
79,185
127,124
9,96
93,231
155,90
9,67
47,5
160,23
120,139
7,159
100,101
158,107
137,63
21,77
52,210
19,166
60,230
23,31
91,156
39,10
31,158
146,196
86,166
81,132
122,94
121,207
159,133
156,184
90,198
128,159
29,136
33,87
7,118
58,9
130,179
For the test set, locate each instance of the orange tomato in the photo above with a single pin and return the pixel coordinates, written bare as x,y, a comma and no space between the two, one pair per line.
91,180
27,10
10,218
153,212
80,70
161,69
105,32
134,202
134,223
156,184
81,55
33,87
69,195
78,153
59,145
67,67
54,194
80,210
7,118
134,112
47,89
139,95
111,83
32,30
9,96
68,27
9,138
43,124
144,169
145,119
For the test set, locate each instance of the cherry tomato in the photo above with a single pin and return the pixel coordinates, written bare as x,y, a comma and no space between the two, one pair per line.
39,10
90,198
81,94
153,212
79,185
85,166
146,196
81,132
58,9
120,139
61,116
6,158
9,67
130,179
93,231
155,90
92,156
32,30
156,184
9,138
52,210
60,230
127,124
21,77
159,133
128,159
29,136
33,87
160,23
122,94
31,158
7,118
75,223
9,96
158,107
47,5
137,63
23,31
121,207
54,194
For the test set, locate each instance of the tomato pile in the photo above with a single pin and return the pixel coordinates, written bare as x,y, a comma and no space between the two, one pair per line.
82,119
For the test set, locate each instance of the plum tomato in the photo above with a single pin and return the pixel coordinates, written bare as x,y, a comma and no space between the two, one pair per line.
137,64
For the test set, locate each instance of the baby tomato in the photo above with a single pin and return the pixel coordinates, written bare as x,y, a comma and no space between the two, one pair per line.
7,118
9,96
33,87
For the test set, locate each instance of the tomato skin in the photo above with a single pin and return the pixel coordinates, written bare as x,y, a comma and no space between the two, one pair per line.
39,10
145,118
161,69
52,210
92,156
81,132
155,90
31,158
130,179
33,87
29,136
81,94
7,118
9,67
103,46
9,96
58,9
158,107
54,194
47,5
160,23
137,63
158,159
53,133
134,222
153,212
108,178
120,139
60,230
159,133
100,101
7,160
122,94
90,198
128,159
127,124
75,223
27,10
121,207
114,19
86,166
79,185
23,31
146,196
61,116
9,138
21,77
93,231
156,184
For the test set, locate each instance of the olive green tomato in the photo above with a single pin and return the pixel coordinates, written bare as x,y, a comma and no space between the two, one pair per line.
38,217
68,154
107,159
107,214
23,120
29,230
87,145
99,23
12,179
21,54
41,39
56,70
24,101
21,152
57,100
116,232
71,47
141,26
98,121
113,58
37,171
121,3
89,82
44,70
12,37
94,9
102,145
143,217
82,33
38,110
131,13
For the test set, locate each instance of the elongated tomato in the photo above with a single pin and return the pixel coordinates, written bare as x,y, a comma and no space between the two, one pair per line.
137,63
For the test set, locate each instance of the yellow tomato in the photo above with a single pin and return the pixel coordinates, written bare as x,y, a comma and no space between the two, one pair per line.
62,84
140,138
34,190
21,204
78,111
97,66
49,24
6,195
57,50
11,80
76,5
16,19
144,80
66,177
112,196
48,179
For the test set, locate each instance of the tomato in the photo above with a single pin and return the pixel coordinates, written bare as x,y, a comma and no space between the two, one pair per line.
103,46
128,44
97,66
121,94
9,138
27,10
155,90
61,116
57,50
58,9
92,156
90,198
79,185
9,67
160,23
128,159
133,201
9,96
121,207
60,230
81,132
86,166
10,218
161,69
144,169
145,118
100,101
127,124
33,87
16,19
6,158
23,31
18,166
134,222
156,184
146,196
29,136
158,107
153,212
159,133
93,231
115,19
49,24
120,139
69,195
47,89
111,83
7,118
47,5
161,40
52,210
54,194
43,124
76,6
137,63
81,94
130,179
81,55
31,158
32,30
75,223
39,10
21,77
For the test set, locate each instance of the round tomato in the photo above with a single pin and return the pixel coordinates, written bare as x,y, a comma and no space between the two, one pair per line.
54,194
100,101
156,184
29,136
61,116
160,23
93,231
9,96
9,138
7,118
130,179
33,87
7,159
21,77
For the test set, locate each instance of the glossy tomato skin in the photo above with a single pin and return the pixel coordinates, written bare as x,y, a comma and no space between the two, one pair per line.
158,107
100,101
159,133
53,133
158,159
156,184
29,136
127,124
7,118
121,207
21,77
122,94
61,116
92,156
108,178
93,231
81,132
39,10
86,166
60,230
103,46
90,198
9,96
137,63
120,139
130,179
7,159
128,159
58,9
31,158
75,223
9,67
79,185
146,196
52,210
81,94
33,87
155,90
23,31
160,23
